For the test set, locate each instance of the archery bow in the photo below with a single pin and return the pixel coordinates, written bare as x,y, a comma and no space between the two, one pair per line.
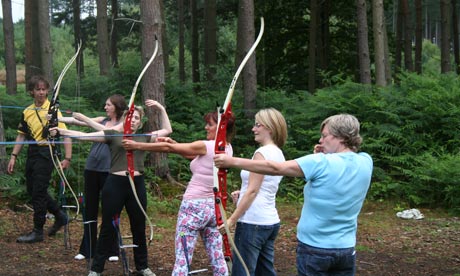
127,134
53,122
220,175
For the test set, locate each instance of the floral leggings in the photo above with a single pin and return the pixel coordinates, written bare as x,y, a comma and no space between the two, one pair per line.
195,217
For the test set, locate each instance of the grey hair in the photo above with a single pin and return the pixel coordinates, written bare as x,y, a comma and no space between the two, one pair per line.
345,127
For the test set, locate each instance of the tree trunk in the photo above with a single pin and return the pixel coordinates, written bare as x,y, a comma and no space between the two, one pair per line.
210,39
195,45
363,43
154,79
45,41
3,161
180,20
102,37
379,37
312,46
324,39
31,37
445,37
78,37
408,63
386,54
114,34
418,36
245,39
399,41
10,58
455,35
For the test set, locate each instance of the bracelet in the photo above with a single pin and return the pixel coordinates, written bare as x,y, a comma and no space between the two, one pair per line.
15,155
68,159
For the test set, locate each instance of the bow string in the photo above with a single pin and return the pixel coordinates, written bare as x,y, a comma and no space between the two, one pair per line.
220,175
127,134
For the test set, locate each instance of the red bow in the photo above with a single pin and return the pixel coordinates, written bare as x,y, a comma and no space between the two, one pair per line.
220,175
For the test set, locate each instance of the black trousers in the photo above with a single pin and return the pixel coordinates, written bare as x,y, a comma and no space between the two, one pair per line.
39,167
94,182
116,194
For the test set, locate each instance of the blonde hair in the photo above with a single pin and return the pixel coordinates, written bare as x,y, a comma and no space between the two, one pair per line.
137,108
273,120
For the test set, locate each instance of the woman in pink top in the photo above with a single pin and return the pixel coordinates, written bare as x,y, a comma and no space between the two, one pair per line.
197,214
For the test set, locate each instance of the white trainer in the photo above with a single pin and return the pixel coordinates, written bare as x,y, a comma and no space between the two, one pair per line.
94,273
146,272
79,257
113,259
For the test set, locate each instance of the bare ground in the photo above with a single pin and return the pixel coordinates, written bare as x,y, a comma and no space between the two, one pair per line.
387,245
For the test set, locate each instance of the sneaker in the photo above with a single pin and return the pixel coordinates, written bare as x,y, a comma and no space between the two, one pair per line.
146,272
34,236
94,273
113,259
61,220
80,257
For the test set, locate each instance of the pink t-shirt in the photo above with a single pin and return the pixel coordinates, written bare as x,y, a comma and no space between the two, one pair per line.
202,183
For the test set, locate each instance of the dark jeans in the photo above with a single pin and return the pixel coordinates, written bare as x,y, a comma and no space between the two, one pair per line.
94,182
313,261
116,194
39,167
256,246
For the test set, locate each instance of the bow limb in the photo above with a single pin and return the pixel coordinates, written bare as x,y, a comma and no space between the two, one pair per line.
220,175
127,131
53,122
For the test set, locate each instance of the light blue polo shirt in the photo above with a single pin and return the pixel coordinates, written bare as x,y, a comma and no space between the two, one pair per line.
337,185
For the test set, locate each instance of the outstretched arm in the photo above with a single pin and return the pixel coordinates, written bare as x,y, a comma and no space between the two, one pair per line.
184,149
79,119
286,168
79,135
165,123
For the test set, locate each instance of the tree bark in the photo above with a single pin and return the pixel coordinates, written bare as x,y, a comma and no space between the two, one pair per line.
445,36
180,20
3,161
398,41
10,58
114,34
418,36
195,45
45,41
102,37
31,36
154,79
78,37
245,39
210,39
408,62
455,36
312,46
363,43
379,37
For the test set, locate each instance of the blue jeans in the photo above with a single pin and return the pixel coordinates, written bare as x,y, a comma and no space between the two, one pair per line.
313,261
256,246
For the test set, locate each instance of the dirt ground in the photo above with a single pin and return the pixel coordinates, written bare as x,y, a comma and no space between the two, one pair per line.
387,245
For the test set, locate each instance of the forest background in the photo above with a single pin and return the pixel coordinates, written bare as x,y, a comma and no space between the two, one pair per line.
392,64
